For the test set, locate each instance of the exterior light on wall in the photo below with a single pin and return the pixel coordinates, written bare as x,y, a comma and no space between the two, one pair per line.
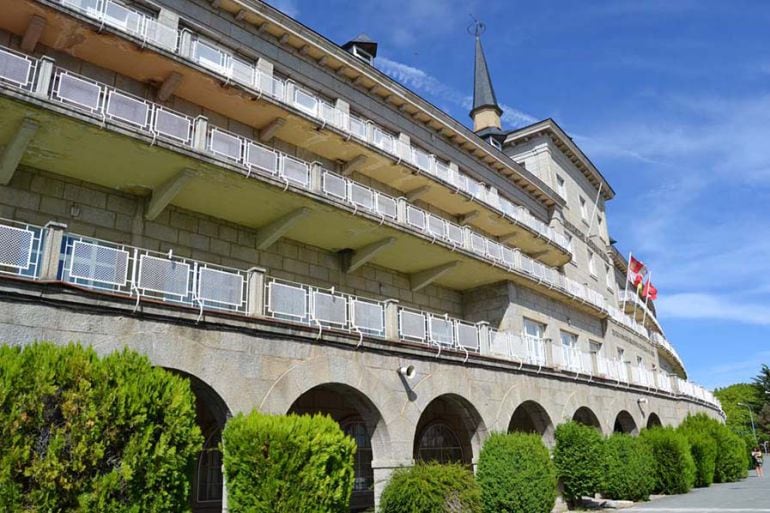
75,210
409,372
642,400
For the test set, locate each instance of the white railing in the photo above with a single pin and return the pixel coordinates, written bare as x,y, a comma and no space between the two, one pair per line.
232,67
133,272
20,249
17,69
661,341
128,20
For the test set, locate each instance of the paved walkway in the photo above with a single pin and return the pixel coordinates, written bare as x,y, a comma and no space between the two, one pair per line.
752,495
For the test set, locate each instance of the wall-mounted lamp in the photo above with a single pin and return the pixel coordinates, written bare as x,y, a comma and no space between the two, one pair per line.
409,372
642,400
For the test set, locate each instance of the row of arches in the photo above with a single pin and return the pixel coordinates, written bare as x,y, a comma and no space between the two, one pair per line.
449,430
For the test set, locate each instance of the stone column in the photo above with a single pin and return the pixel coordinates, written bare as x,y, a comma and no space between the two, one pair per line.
256,292
53,233
391,319
44,77
382,471
200,133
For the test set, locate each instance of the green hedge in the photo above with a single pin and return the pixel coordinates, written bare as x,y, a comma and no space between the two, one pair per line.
431,488
516,474
703,448
674,466
629,469
579,457
89,434
287,463
731,462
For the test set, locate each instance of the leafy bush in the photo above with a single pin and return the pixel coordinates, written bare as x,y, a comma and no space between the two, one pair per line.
287,463
89,434
629,469
674,466
579,457
516,474
731,461
703,448
431,488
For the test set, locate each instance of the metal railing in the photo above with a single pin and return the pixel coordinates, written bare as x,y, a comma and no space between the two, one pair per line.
233,68
140,274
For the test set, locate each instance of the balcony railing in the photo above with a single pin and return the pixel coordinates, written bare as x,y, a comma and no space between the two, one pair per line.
142,275
109,104
233,68
661,341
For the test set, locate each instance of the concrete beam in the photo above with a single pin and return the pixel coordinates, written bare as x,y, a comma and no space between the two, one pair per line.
166,192
417,193
32,35
240,15
353,259
422,279
14,150
467,218
353,165
268,132
536,254
507,237
169,85
267,235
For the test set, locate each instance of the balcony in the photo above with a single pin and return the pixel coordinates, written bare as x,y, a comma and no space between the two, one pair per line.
237,179
292,112
637,309
143,277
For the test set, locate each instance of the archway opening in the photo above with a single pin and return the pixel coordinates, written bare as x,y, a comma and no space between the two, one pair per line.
211,413
530,417
653,420
624,423
358,418
585,416
448,431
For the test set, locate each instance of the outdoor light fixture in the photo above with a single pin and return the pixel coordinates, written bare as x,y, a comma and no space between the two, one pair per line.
642,400
408,372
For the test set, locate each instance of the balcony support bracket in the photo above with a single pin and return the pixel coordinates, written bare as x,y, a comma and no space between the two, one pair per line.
13,152
422,279
536,254
169,85
267,235
507,237
470,216
353,259
417,193
353,164
32,35
167,191
269,131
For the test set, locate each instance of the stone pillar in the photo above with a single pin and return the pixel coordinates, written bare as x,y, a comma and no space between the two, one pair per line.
316,182
200,133
404,147
343,112
401,211
382,472
168,18
53,233
484,334
44,77
256,292
185,44
391,319
454,171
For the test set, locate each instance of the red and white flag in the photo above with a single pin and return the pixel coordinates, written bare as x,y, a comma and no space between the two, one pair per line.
636,271
649,291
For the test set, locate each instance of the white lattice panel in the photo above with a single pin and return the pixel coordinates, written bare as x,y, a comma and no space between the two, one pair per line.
387,206
261,158
220,287
330,308
128,109
468,336
415,217
441,331
173,125
15,68
361,196
305,101
296,171
368,316
412,325
288,300
15,247
80,92
225,144
334,185
98,263
163,276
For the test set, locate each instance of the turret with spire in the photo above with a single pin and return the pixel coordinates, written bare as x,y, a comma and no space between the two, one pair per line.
485,112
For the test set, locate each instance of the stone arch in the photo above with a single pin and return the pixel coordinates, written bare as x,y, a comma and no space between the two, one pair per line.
211,413
584,415
531,417
450,428
653,421
625,423
360,419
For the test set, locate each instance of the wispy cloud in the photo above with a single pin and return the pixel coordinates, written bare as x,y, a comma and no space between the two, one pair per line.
737,371
440,92
712,307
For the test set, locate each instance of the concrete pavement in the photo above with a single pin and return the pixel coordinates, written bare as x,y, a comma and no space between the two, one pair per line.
752,495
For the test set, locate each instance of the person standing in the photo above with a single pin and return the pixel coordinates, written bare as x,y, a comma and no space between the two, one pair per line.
758,458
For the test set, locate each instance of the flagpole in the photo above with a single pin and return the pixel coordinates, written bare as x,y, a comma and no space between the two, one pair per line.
593,213
625,291
647,296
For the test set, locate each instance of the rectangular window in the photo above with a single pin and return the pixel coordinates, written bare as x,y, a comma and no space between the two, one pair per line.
591,263
583,209
595,347
561,187
608,278
569,350
533,329
621,354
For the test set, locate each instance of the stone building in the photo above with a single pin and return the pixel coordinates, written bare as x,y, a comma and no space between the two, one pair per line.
251,205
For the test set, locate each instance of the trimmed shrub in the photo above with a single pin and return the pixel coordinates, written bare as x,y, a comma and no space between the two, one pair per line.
731,461
703,448
431,488
579,457
674,468
516,474
629,469
287,463
89,434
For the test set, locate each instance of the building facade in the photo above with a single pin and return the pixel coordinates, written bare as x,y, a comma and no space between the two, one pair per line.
262,210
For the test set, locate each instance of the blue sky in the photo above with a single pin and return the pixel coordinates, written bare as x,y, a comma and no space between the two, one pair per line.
669,98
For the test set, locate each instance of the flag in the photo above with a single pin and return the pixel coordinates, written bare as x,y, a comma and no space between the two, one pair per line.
649,291
636,271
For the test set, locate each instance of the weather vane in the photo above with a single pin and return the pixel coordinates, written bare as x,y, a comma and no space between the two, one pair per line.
476,28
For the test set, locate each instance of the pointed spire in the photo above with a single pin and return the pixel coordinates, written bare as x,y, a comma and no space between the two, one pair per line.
483,92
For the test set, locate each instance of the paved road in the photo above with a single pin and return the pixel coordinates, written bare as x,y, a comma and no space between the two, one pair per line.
752,495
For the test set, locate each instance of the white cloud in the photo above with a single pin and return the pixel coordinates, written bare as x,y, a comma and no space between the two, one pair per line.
712,307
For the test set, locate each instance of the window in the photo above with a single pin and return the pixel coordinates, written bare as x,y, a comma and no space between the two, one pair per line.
561,187
533,335
210,470
364,475
571,248
608,278
583,209
494,142
533,329
591,263
439,443
621,354
569,349
595,347
363,54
